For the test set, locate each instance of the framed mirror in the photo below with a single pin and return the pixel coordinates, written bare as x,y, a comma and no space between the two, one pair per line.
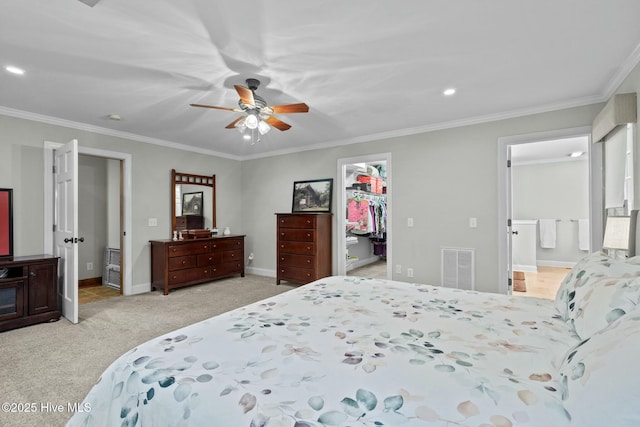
6,223
193,201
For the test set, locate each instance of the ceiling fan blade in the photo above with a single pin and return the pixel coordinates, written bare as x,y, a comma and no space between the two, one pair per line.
246,95
216,107
277,123
232,125
290,108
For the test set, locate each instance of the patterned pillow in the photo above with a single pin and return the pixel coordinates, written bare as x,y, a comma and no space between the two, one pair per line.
600,376
591,268
603,301
586,266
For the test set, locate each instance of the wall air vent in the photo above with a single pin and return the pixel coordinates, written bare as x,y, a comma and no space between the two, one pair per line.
458,268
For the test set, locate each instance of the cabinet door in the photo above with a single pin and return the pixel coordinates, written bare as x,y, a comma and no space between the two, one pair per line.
11,299
42,288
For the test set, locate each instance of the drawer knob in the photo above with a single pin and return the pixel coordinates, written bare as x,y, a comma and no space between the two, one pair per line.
308,248
232,255
175,277
184,262
205,246
308,234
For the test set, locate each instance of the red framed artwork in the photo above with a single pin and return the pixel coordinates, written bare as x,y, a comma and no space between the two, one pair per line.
6,222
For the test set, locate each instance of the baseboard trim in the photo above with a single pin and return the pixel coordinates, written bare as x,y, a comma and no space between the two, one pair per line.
260,271
551,263
526,268
92,281
140,288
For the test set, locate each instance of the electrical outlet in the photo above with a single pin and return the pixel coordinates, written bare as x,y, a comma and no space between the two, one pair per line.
89,266
473,222
398,269
409,222
409,272
153,222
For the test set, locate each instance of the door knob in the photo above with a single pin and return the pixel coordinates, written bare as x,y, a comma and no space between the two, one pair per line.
514,232
81,239
68,240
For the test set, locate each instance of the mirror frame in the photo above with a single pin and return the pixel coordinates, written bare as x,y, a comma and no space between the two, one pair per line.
192,179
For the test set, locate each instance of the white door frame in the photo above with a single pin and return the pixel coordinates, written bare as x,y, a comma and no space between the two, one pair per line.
504,198
341,240
127,229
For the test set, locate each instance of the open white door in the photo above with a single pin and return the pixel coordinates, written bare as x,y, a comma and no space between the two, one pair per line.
66,226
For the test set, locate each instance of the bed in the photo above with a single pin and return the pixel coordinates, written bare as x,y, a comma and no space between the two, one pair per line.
351,351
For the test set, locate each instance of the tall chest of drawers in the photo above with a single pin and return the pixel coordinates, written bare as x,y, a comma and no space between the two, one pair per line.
303,247
187,262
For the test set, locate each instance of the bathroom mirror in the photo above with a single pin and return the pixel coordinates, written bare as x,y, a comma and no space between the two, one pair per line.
190,188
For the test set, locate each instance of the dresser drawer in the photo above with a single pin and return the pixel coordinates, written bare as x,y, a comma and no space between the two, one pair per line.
182,262
297,234
209,259
301,248
192,248
297,221
290,260
230,256
189,275
228,244
298,275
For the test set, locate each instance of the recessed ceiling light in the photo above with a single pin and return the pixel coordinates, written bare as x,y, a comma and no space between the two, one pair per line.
449,91
115,117
14,70
576,154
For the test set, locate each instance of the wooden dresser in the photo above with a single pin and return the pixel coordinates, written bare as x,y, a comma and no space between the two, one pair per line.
187,262
304,247
28,291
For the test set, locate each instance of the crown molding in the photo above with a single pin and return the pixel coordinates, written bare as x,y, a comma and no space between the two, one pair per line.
110,132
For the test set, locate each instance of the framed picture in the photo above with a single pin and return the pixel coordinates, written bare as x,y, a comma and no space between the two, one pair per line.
192,203
312,196
6,223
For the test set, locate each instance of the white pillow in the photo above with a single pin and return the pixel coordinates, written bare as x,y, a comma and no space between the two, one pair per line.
602,302
601,378
592,267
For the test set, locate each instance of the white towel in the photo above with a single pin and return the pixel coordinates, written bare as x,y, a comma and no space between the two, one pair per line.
583,234
548,233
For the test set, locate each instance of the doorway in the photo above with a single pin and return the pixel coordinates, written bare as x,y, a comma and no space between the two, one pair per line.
364,236
123,160
546,210
100,223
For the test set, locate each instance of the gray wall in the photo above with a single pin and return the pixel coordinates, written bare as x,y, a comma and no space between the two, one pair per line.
92,214
22,164
557,190
440,178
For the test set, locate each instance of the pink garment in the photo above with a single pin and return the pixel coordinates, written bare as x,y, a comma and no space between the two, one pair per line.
358,211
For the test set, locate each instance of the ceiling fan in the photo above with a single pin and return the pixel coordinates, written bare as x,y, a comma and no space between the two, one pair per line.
257,113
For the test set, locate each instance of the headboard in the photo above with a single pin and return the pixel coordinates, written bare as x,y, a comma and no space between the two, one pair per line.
634,234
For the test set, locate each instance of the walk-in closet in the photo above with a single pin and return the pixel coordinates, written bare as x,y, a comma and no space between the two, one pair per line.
366,219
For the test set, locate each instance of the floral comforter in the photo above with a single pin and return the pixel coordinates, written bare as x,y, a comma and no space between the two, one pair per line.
346,351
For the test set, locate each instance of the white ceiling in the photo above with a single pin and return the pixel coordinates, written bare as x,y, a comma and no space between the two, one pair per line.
366,69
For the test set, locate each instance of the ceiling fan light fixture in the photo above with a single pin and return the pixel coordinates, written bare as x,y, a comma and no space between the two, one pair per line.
263,127
251,121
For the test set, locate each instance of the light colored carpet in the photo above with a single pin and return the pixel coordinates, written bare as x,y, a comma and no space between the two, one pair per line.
48,367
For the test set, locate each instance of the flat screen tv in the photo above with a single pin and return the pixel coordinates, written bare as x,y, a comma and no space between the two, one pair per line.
6,223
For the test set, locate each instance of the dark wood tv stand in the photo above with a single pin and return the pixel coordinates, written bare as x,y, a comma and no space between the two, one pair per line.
28,291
